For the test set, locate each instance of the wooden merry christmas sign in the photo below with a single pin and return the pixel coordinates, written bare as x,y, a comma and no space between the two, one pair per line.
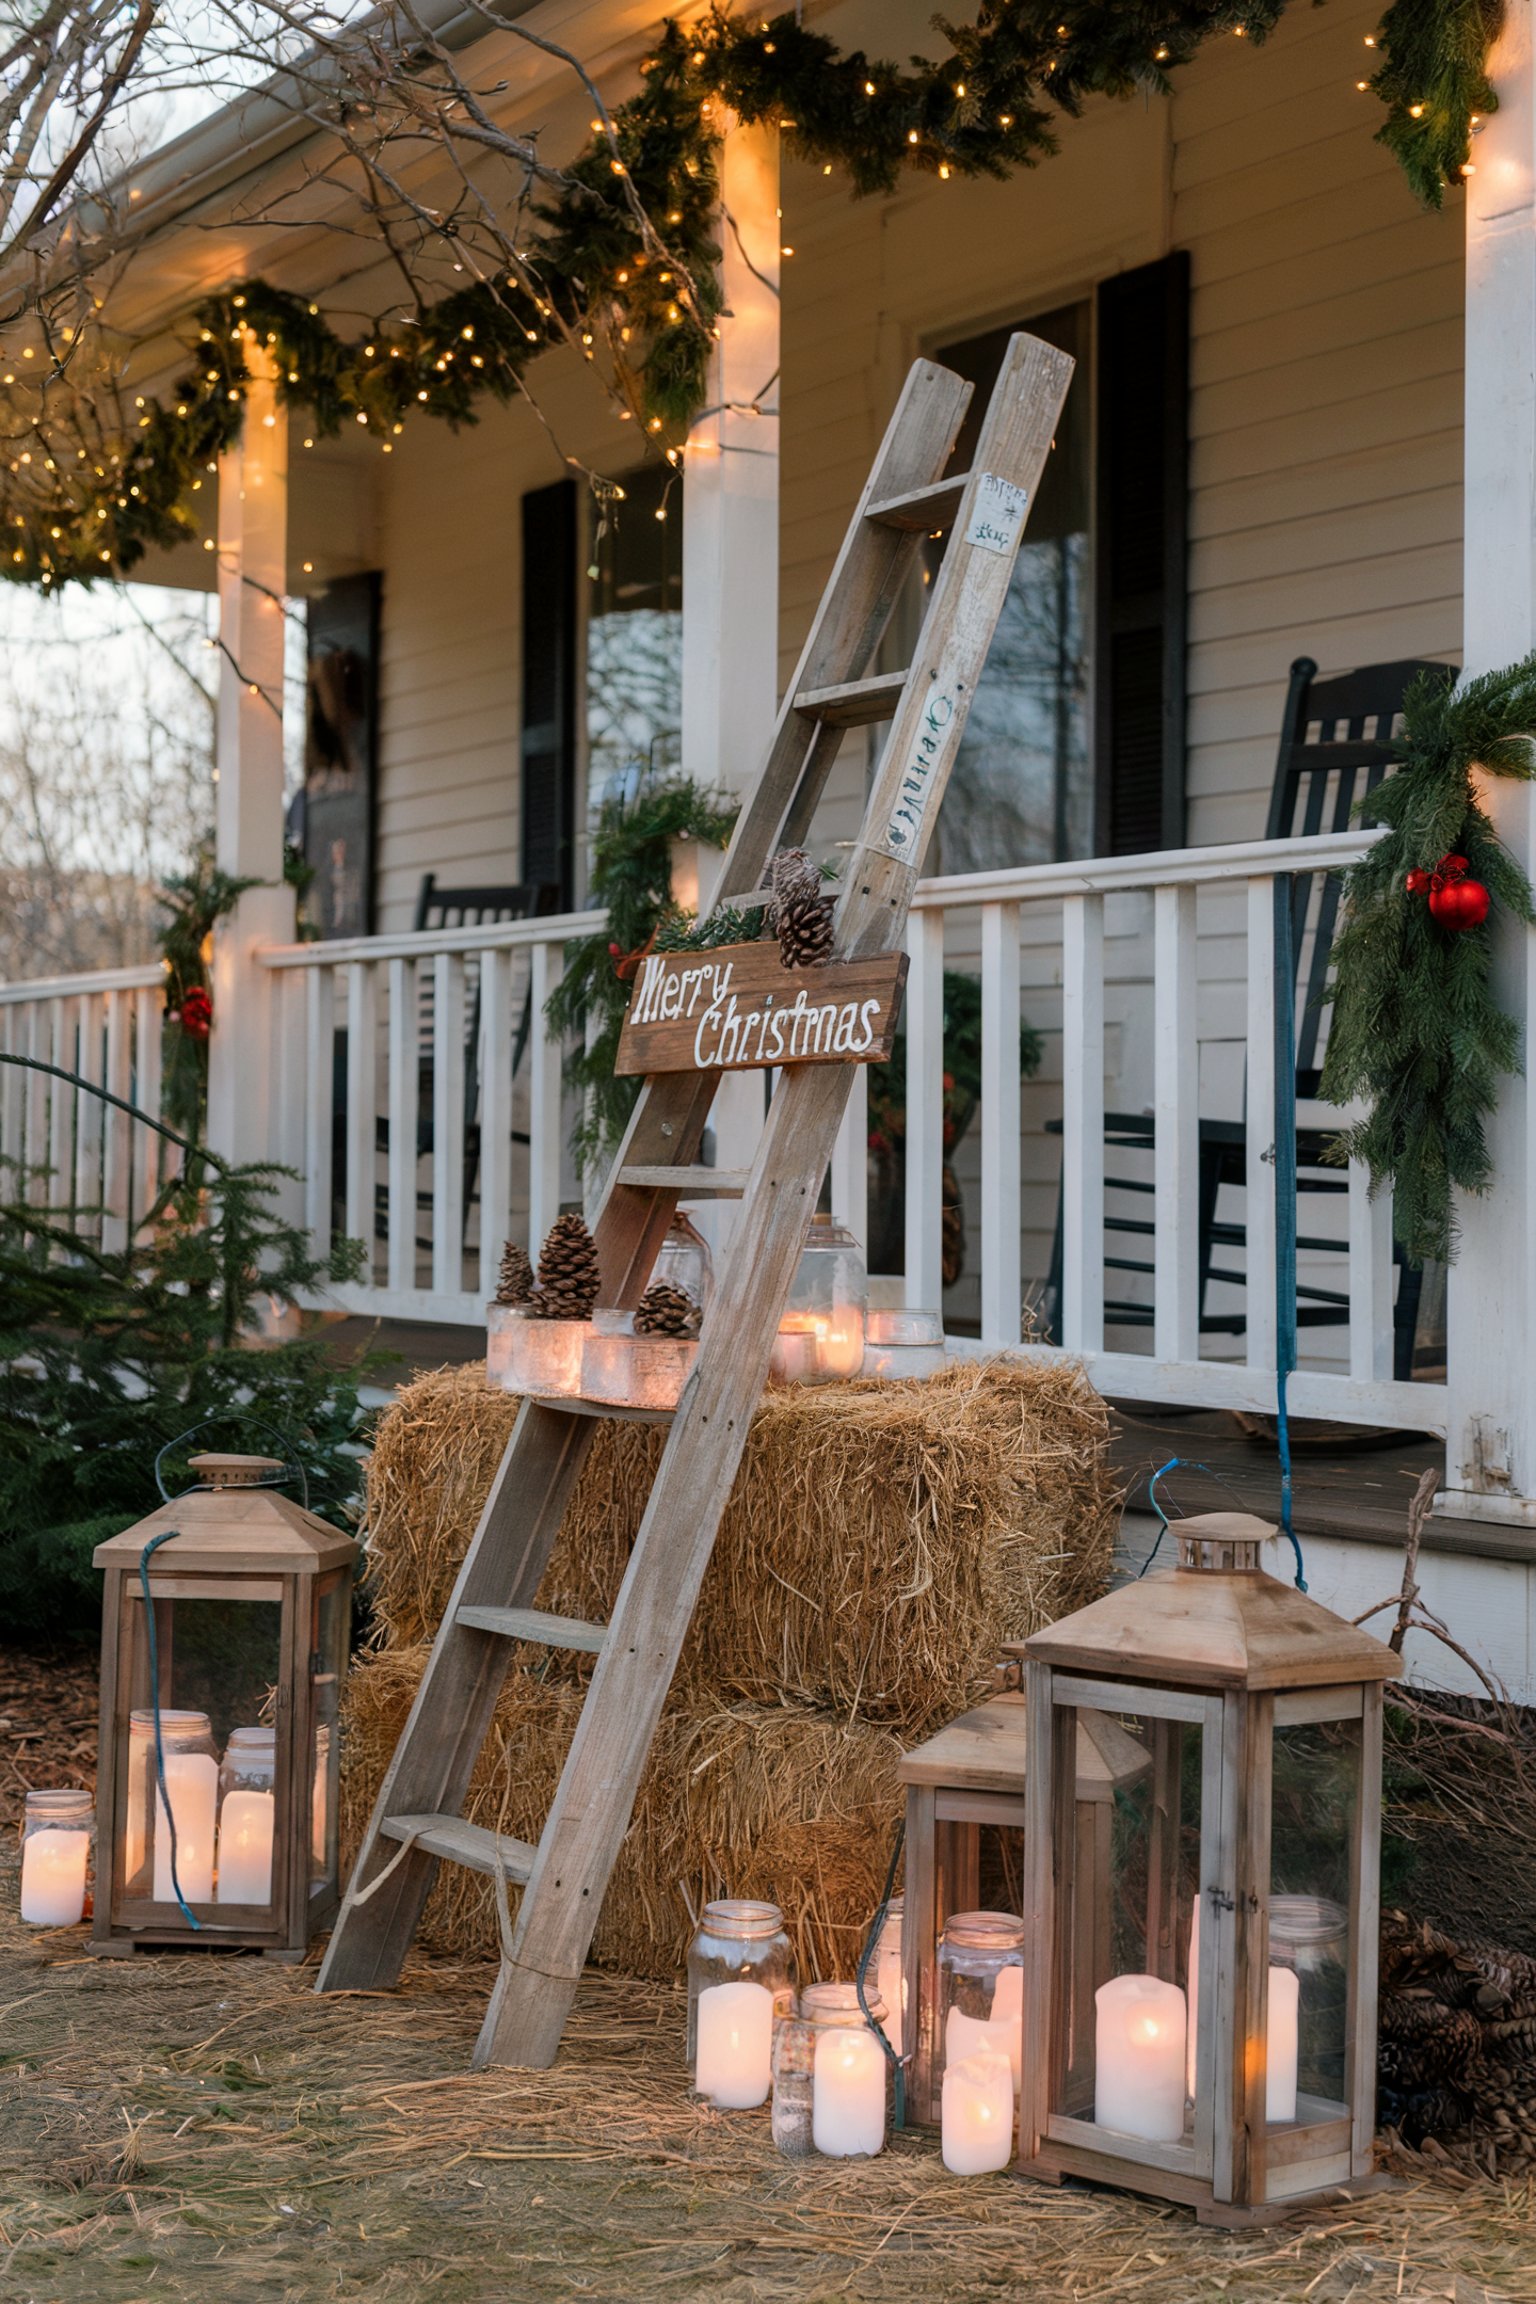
739,1008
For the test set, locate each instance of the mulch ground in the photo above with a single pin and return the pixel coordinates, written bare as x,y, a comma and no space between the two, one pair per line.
206,2128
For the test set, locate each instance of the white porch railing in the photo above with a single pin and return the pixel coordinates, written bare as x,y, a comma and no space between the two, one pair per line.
63,1148
418,1094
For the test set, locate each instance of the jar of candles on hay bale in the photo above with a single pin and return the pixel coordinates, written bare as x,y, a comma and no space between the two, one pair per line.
57,1835
832,2077
981,1986
741,1976
821,1330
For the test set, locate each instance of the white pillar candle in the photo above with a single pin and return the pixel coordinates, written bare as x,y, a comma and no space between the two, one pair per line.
1001,2033
192,1781
53,1877
891,1986
978,2114
1193,1995
734,2062
1139,2049
1284,2044
848,2094
245,1848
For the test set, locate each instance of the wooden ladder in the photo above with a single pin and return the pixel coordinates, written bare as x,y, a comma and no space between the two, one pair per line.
417,1820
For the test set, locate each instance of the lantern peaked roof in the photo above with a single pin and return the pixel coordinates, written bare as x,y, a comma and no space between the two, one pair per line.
1207,1626
233,1525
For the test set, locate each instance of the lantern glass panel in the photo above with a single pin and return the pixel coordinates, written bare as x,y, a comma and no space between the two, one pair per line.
1128,1872
1316,1801
328,1663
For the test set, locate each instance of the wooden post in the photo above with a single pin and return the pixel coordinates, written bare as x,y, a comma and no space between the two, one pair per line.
1490,1471
731,542
248,816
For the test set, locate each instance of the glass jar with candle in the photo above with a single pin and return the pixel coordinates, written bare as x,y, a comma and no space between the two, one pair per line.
192,1781
821,1332
57,1835
888,1976
247,1815
832,2078
981,1986
741,1975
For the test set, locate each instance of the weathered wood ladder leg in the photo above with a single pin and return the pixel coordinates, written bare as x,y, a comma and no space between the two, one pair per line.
491,1608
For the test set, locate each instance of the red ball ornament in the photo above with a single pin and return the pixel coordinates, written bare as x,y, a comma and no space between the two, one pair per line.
196,1013
1458,904
1417,883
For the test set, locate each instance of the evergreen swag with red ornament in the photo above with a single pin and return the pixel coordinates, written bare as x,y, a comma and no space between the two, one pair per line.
1416,1031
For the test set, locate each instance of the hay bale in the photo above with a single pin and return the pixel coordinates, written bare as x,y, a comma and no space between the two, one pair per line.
740,1800
881,1541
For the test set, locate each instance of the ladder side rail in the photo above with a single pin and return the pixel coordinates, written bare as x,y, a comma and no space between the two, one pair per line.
455,1703
595,1800
860,595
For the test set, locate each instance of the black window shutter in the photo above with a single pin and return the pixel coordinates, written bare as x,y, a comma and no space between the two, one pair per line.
335,823
1141,554
549,688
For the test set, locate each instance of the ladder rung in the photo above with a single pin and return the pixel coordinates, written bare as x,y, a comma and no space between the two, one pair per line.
921,508
856,702
533,1624
571,1404
693,1183
461,1843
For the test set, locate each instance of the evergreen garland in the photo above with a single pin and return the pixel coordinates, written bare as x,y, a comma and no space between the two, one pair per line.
1416,1030
87,500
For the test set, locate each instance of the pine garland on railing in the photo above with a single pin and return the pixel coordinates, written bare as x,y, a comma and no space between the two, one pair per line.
1416,1030
85,504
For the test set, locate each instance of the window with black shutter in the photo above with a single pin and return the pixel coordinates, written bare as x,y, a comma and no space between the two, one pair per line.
1140,556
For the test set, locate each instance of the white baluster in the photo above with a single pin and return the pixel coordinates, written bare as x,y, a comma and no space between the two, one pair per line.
1176,1099
63,1051
404,1097
495,1114
88,1110
925,1110
1002,1285
850,1161
117,1154
40,1049
1370,1278
1259,1156
1081,1320
150,1150
319,1073
362,1099
543,1060
13,1095
447,1124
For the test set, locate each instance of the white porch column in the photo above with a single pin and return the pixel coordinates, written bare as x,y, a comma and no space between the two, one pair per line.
248,816
731,536
1491,1439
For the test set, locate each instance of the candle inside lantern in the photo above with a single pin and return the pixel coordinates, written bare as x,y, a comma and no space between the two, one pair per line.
848,2094
734,2063
245,1848
794,1359
1139,2071
891,1983
192,1782
840,1343
1284,2044
53,1877
1001,2033
978,2114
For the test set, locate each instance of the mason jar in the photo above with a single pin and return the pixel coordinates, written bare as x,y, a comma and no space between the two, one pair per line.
981,1987
890,1976
247,1816
741,1975
683,1260
1309,1935
833,2082
186,1739
821,1330
57,1836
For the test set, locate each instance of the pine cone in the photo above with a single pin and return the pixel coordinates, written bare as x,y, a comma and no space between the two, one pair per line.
801,911
667,1311
567,1288
515,1282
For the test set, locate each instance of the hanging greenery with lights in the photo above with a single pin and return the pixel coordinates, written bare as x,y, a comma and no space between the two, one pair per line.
1416,1030
622,260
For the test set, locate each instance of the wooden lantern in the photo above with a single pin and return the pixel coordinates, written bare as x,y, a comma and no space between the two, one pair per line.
242,1653
1214,2042
968,1778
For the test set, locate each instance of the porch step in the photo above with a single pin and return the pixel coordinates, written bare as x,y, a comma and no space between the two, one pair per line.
921,509
534,1624
461,1843
693,1183
855,703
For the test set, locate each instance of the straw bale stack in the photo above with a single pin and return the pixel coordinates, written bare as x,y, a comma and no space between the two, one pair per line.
742,1800
881,1542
